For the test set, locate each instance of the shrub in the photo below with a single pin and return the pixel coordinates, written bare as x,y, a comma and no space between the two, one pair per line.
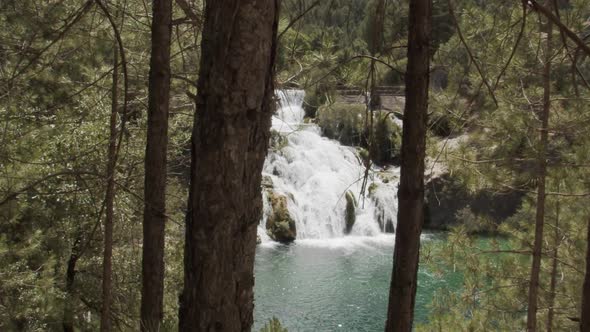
386,141
343,122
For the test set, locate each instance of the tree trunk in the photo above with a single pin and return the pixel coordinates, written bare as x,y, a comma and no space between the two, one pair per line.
107,263
585,316
68,319
410,215
230,138
553,284
154,215
542,174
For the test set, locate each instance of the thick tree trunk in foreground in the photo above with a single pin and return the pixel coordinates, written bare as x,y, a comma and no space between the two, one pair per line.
154,213
542,174
230,138
107,263
585,315
404,279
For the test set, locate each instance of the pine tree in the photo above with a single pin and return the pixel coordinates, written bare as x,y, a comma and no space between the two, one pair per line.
404,279
154,215
235,103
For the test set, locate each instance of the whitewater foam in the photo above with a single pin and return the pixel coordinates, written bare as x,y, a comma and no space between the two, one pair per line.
314,173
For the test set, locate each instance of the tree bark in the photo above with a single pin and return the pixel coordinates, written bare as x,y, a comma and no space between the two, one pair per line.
542,174
68,319
553,284
585,315
235,103
410,215
107,263
154,213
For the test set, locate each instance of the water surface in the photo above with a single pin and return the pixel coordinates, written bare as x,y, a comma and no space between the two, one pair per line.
332,284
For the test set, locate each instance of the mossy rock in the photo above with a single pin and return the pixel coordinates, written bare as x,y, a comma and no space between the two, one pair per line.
372,188
267,182
346,123
314,98
343,122
364,156
387,177
350,213
280,226
387,139
277,141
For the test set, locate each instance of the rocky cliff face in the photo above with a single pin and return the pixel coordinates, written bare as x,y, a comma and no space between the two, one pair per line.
448,203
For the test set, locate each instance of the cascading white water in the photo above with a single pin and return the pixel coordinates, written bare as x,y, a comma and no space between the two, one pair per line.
314,173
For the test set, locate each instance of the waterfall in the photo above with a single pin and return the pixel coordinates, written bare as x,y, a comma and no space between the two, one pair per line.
314,174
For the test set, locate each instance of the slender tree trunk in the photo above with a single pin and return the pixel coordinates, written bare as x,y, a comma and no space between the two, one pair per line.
107,263
585,315
68,319
542,174
553,285
230,138
154,215
404,279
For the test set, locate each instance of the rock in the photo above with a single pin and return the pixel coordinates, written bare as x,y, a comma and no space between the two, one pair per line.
387,176
258,239
275,172
385,223
372,188
350,213
364,156
279,224
277,141
386,147
343,122
314,98
439,78
447,202
267,182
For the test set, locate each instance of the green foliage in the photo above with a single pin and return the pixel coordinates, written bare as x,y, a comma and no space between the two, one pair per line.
343,122
54,110
498,151
324,47
347,123
273,325
448,114
314,99
387,140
